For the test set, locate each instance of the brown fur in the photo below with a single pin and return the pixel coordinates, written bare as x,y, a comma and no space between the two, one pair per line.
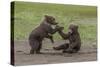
43,31
74,39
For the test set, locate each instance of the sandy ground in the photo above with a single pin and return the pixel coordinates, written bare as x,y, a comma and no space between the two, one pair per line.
50,56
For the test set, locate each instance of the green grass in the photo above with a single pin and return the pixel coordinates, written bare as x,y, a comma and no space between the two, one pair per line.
29,15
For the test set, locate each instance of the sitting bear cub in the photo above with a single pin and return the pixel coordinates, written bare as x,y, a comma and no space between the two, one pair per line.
74,40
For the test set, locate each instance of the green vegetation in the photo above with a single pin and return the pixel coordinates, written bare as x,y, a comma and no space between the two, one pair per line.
29,15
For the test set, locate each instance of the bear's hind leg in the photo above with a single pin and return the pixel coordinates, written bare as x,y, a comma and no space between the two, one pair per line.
34,46
62,47
32,51
39,48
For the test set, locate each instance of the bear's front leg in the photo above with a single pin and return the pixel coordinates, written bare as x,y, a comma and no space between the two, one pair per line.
49,36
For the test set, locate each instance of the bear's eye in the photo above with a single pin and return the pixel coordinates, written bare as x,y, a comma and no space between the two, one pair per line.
53,19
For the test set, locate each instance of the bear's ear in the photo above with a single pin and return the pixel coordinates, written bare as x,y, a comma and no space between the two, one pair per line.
46,16
77,26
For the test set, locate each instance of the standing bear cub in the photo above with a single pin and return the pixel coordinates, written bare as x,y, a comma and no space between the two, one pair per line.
44,30
74,40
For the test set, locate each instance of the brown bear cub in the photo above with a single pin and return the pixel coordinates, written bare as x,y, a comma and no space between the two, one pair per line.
44,30
74,40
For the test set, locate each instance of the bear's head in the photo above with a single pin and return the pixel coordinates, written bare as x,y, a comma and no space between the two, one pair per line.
73,28
51,20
